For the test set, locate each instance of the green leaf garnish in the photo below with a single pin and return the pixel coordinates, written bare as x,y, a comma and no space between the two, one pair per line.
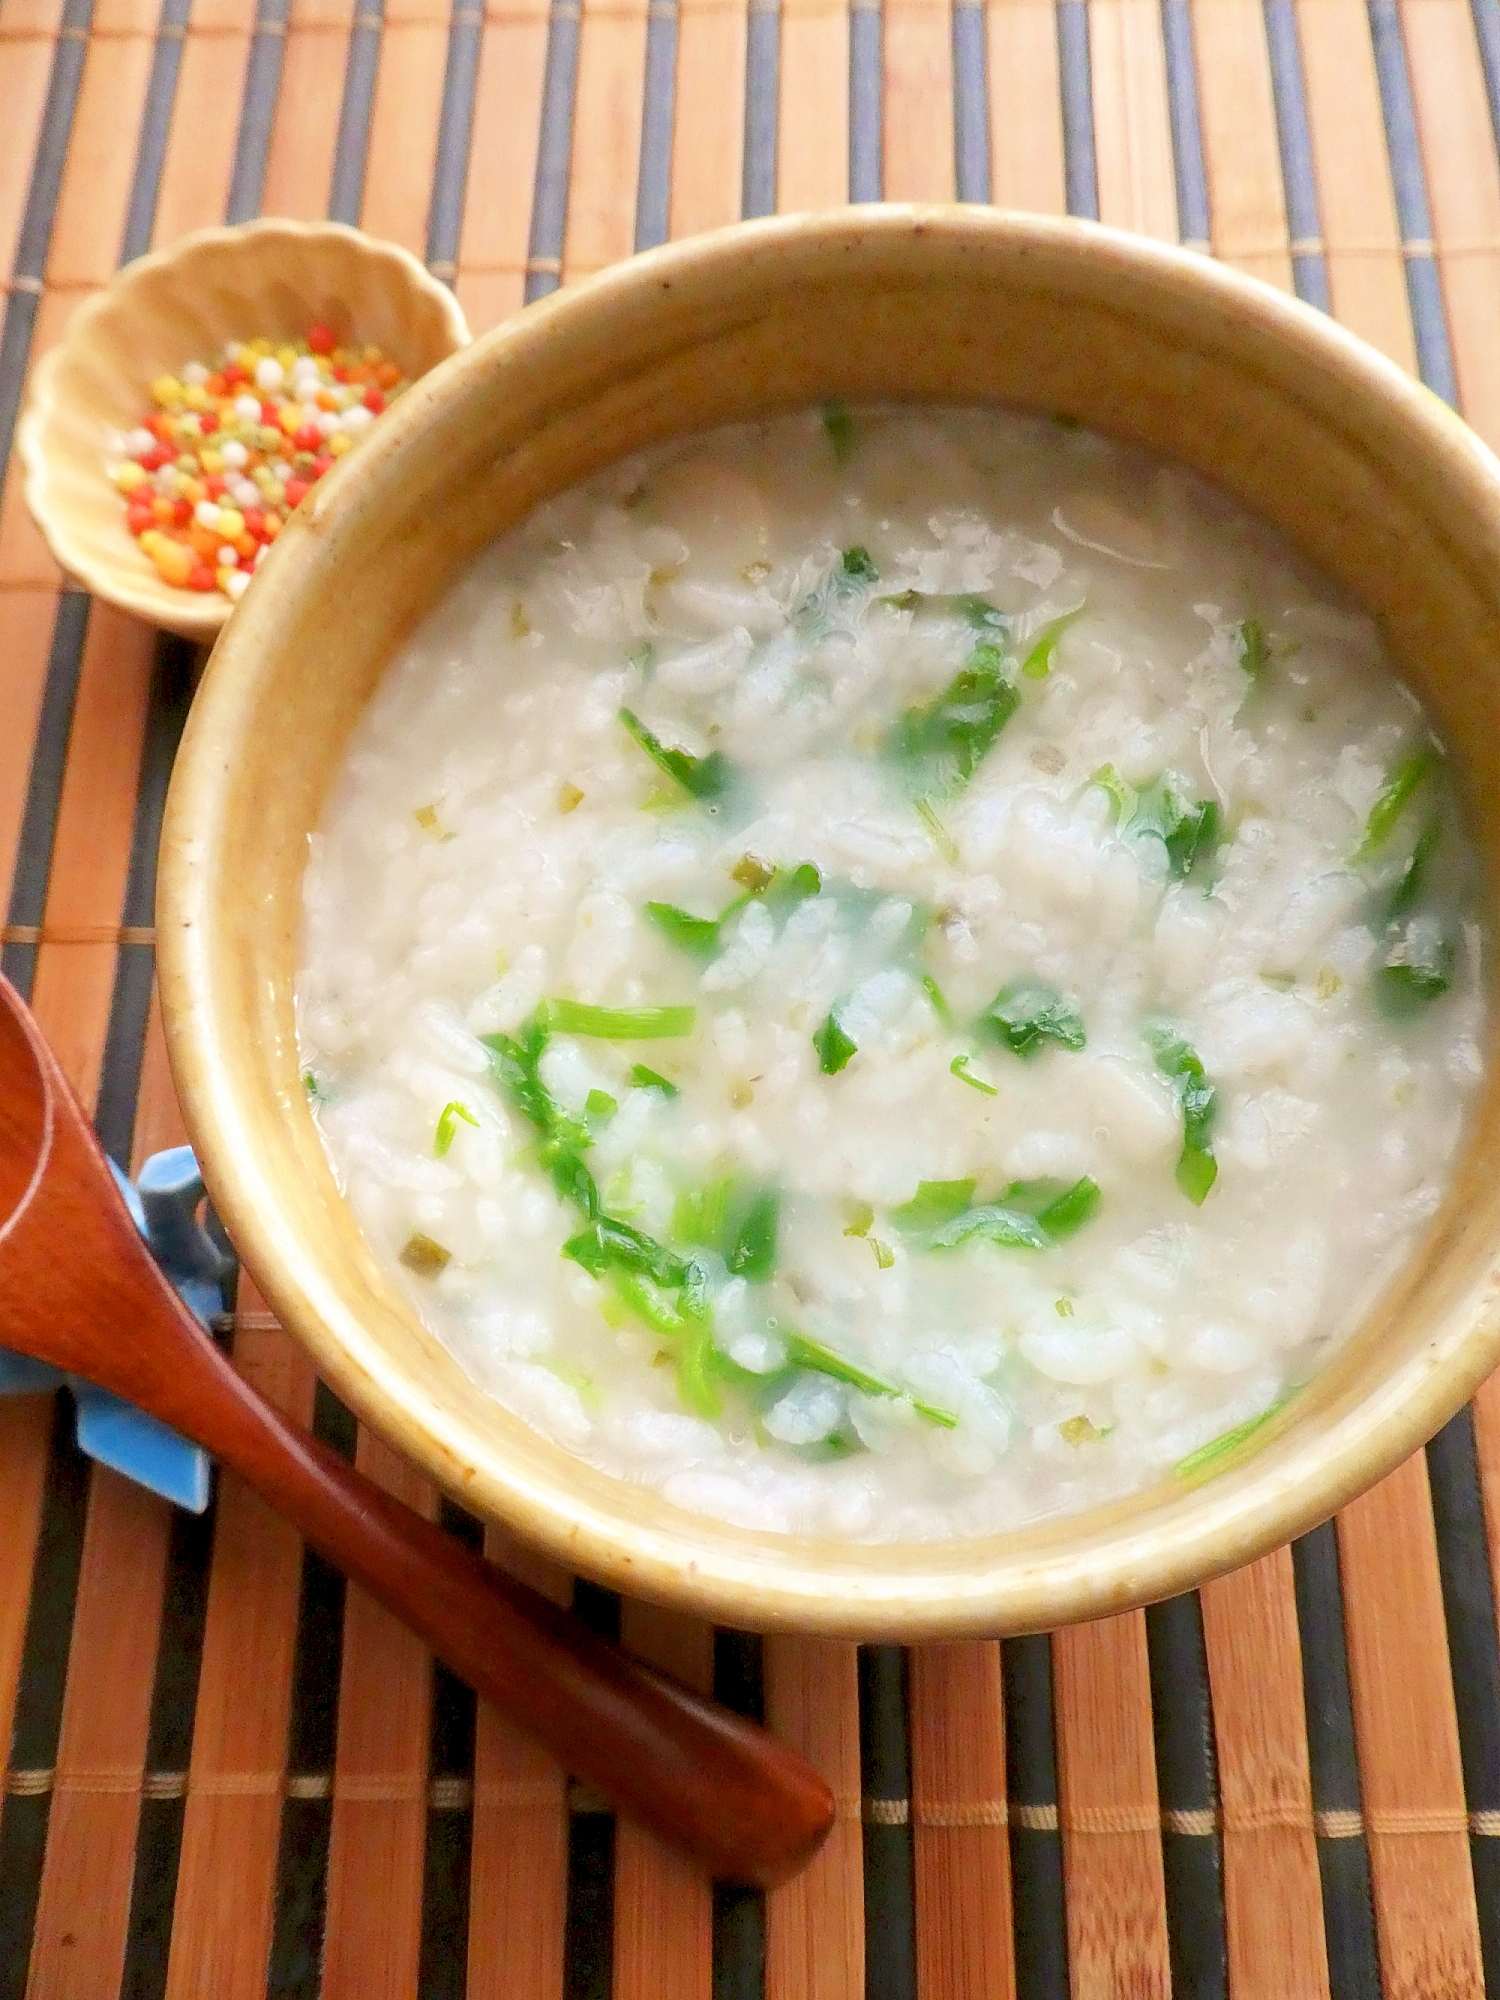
940,1006
839,425
959,1067
617,1024
424,1256
1198,1101
447,1124
1394,797
1416,965
975,610
934,1203
885,1256
1010,1228
608,1244
803,1352
860,1217
1192,837
942,839
599,1104
735,1219
699,935
1254,646
704,777
947,740
858,566
647,1079
1025,1015
834,1047
1038,662
1208,1455
1188,831
315,1091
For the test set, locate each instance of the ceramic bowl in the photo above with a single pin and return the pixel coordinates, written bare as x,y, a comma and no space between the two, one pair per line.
181,304
1375,479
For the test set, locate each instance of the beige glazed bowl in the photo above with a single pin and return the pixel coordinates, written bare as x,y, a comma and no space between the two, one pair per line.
181,304
1375,479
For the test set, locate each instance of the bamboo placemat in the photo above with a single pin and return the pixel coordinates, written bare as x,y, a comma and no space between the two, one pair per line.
229,1776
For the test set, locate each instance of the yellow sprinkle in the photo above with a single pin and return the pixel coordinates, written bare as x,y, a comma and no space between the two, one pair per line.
211,461
258,349
197,397
339,443
290,418
167,391
231,523
286,355
128,475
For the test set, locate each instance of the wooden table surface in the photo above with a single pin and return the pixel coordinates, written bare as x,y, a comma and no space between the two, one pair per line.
228,1776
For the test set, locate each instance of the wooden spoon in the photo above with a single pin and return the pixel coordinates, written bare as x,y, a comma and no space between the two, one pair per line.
78,1289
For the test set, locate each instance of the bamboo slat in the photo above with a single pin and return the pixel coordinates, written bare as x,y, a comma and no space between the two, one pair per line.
502,164
606,135
24,68
374,1925
25,1430
299,160
1361,235
1463,193
812,135
199,163
1111,1820
664,1938
1026,138
1132,125
960,1844
1240,153
518,1881
918,58
707,146
404,124
25,636
226,1875
815,1945
1408,1741
1272,1897
92,201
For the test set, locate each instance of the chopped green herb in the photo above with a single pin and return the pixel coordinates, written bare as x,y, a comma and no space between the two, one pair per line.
975,610
833,1046
1063,1308
1189,832
1208,1455
1198,1101
735,1219
959,1067
643,659
608,1244
599,1104
860,1218
647,1079
617,1024
934,1203
422,1255
1071,1209
1025,1015
940,1006
942,839
699,935
1193,838
1254,646
1079,1430
839,425
1122,796
802,1352
447,1124
858,565
314,1089
1409,883
1038,662
1010,1228
795,884
948,739
1416,965
704,777
885,1256
1394,796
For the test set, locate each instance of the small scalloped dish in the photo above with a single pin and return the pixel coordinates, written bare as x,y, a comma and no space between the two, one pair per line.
182,304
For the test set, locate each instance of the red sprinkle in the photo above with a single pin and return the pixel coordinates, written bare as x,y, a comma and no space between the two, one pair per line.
322,339
374,400
308,438
208,422
296,491
234,375
138,518
215,484
320,465
201,577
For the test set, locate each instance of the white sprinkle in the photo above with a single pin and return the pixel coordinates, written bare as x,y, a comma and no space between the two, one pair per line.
269,373
229,558
358,417
235,584
281,470
248,408
194,374
233,452
140,443
206,514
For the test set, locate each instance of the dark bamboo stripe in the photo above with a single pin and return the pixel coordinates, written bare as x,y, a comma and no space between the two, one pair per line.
1188,1786
1304,223
445,215
49,757
1039,1911
554,153
588,1956
156,125
1076,74
1344,1864
762,109
1469,1613
1434,356
971,104
885,1779
1193,222
351,151
257,110
653,198
739,1966
866,104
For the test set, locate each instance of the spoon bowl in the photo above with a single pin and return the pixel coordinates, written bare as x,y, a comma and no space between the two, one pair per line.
78,1290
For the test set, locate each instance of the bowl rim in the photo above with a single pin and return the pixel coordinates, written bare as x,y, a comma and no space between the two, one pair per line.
1259,1503
200,616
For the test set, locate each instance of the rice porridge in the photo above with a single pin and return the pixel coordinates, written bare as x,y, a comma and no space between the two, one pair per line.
892,972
